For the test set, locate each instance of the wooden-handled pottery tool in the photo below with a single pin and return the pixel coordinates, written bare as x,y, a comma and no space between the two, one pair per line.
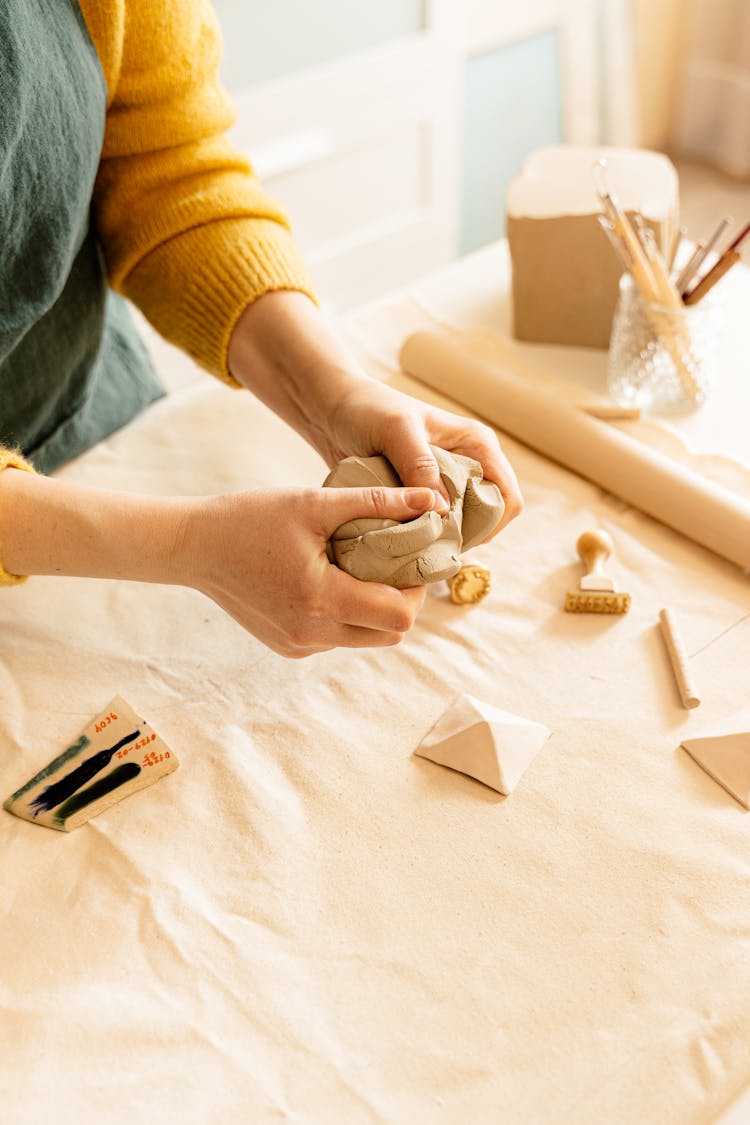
596,591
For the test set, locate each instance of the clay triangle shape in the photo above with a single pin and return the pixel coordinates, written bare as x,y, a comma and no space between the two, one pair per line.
726,758
488,744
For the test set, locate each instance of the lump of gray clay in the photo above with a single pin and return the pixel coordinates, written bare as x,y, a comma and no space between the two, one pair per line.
423,550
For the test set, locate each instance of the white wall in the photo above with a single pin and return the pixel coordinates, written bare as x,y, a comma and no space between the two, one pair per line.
390,130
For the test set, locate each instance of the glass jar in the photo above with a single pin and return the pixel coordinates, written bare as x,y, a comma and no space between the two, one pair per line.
662,359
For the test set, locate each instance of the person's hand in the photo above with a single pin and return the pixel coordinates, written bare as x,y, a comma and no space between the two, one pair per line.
262,557
373,418
284,351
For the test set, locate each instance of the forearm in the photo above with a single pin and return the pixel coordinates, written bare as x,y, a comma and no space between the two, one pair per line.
54,527
283,350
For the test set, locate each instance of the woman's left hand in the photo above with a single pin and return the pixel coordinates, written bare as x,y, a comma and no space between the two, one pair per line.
373,418
284,351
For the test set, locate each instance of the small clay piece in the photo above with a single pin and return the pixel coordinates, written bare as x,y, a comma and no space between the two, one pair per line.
117,754
423,550
471,584
725,758
488,744
679,660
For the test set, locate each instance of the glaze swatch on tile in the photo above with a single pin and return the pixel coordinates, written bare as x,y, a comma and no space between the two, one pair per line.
117,754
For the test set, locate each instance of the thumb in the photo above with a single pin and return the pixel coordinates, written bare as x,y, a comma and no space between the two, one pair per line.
339,505
411,456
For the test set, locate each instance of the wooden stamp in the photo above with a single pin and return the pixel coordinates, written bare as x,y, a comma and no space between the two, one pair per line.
596,591
471,584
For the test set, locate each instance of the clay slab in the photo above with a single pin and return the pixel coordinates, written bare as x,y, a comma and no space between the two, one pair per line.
725,758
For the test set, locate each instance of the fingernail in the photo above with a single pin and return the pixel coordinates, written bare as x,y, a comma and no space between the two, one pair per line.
420,499
441,504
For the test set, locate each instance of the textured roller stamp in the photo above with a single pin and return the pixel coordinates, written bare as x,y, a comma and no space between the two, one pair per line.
471,584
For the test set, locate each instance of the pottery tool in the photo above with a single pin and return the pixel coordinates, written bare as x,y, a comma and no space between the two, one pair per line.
688,270
701,252
729,258
622,230
679,660
612,412
651,277
117,754
620,250
674,249
706,284
665,288
596,590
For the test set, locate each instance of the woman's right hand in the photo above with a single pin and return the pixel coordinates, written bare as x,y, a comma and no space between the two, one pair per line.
261,556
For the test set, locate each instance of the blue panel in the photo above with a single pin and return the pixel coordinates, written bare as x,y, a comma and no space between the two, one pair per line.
511,106
267,40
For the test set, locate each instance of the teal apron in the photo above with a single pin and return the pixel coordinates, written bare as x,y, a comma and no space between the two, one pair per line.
72,368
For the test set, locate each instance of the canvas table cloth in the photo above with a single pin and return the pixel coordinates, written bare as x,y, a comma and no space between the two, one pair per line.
306,922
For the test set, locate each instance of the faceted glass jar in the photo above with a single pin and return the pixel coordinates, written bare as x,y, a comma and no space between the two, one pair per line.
662,359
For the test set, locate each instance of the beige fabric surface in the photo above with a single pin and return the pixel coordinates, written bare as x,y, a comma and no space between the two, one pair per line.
308,923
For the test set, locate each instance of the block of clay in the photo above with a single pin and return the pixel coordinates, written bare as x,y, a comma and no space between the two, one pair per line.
725,758
117,754
489,744
423,550
565,272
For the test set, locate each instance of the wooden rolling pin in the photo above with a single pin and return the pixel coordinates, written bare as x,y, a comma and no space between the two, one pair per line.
678,497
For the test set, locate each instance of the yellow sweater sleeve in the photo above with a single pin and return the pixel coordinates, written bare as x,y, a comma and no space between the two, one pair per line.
188,233
12,459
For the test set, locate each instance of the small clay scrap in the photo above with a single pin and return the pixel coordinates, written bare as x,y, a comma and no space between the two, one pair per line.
488,744
117,754
427,549
725,756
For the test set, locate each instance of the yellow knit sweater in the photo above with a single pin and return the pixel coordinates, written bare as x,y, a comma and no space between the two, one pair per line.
187,231
188,234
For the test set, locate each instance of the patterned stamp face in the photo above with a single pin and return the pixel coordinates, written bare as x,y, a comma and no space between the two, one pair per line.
117,754
593,602
471,584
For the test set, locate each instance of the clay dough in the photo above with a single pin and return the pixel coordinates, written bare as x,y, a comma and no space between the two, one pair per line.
427,549
565,274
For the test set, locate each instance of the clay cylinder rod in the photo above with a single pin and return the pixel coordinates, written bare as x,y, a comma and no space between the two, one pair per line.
679,660
683,500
